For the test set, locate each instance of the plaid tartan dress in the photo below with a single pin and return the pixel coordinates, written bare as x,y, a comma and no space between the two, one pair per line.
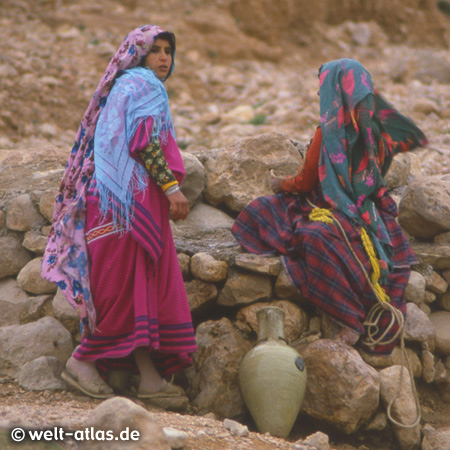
318,260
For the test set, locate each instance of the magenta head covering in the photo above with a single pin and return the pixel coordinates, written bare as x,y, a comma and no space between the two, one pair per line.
65,260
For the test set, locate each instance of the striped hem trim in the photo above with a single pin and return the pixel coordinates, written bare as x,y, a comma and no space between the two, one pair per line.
170,339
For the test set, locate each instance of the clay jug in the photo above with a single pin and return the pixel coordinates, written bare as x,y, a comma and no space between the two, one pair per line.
272,376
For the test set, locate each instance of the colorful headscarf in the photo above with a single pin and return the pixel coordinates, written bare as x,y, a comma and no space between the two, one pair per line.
65,260
361,134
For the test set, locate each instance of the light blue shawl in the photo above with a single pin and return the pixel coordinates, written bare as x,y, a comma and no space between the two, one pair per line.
136,95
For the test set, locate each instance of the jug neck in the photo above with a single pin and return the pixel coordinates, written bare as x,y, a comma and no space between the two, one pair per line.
270,324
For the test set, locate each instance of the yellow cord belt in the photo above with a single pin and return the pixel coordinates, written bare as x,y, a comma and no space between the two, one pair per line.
326,216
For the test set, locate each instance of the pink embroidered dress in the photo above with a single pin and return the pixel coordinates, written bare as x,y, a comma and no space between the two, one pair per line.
139,302
111,251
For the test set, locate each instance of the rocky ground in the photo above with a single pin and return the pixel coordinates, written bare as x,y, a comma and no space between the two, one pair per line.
69,409
239,72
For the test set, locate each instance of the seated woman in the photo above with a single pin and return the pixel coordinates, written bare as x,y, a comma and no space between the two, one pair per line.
326,220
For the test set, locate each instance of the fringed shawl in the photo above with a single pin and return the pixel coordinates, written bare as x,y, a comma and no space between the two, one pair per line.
65,260
137,94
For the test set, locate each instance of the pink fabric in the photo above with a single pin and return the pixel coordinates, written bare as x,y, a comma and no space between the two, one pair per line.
146,223
64,261
138,303
139,293
170,149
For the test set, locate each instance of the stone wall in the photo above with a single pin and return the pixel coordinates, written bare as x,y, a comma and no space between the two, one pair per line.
225,286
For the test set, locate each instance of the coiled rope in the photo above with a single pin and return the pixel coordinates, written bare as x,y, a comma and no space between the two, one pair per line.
374,315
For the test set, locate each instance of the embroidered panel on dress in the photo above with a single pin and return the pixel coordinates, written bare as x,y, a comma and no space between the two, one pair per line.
102,231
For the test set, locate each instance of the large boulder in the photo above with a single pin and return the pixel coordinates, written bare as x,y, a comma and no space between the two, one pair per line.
201,295
13,257
404,410
20,344
131,425
436,439
240,172
206,229
436,254
242,288
397,357
399,171
415,289
40,167
284,288
43,373
295,319
205,267
47,203
440,321
35,242
22,215
194,180
214,379
30,280
258,263
418,326
66,313
342,389
13,302
424,210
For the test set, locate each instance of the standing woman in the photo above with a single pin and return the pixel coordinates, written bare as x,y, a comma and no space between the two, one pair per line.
111,249
334,223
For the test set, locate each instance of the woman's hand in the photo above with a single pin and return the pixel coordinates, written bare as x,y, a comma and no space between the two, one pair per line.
179,205
275,183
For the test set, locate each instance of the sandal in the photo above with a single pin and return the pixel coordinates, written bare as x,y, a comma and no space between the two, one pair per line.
94,389
168,391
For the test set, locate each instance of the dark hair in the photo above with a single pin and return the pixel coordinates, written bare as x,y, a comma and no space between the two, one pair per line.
320,70
170,38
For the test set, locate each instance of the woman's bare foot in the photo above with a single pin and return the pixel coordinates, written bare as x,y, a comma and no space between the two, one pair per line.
151,385
151,381
347,336
82,369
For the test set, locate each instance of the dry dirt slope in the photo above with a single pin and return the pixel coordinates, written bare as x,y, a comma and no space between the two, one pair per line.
53,52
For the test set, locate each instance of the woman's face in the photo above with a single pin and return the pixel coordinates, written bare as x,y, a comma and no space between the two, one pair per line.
159,58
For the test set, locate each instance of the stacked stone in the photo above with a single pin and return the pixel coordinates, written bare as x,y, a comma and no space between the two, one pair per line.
225,286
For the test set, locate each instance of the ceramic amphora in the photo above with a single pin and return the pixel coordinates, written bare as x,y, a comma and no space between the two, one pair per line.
272,376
